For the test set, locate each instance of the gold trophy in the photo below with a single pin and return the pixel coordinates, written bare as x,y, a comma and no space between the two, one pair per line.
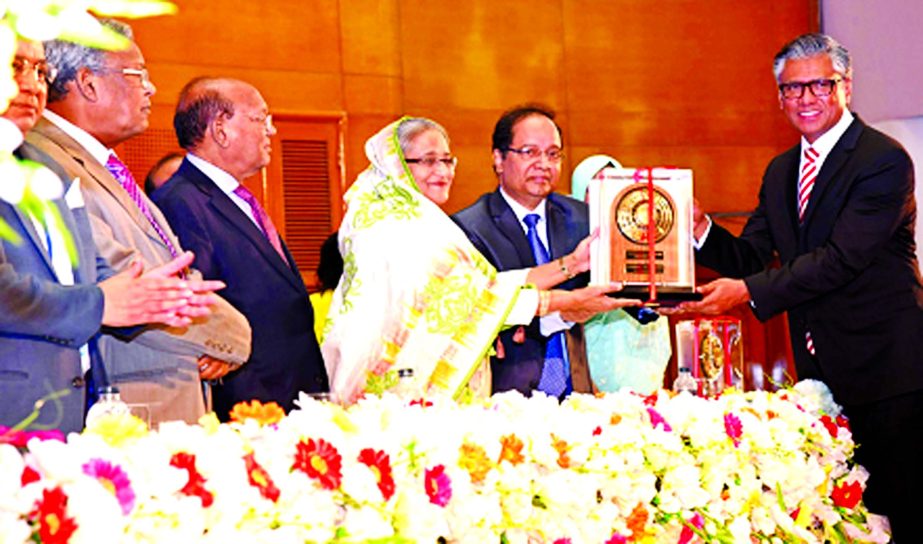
645,233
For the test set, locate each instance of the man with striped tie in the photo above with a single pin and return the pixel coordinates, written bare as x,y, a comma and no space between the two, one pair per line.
98,100
838,210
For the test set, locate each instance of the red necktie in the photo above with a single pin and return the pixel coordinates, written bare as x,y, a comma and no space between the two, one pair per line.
262,220
806,182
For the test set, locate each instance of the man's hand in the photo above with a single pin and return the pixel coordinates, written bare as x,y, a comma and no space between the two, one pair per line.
580,305
212,369
720,296
130,298
580,258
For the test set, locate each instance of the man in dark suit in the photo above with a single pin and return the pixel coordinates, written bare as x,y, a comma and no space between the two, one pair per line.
51,308
225,126
838,211
527,152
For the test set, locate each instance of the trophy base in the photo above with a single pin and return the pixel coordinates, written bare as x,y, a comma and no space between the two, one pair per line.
666,296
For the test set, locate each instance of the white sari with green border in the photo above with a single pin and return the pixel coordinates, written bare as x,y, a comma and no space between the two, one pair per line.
414,293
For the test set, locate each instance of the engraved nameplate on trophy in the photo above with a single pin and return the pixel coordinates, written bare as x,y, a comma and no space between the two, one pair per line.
645,232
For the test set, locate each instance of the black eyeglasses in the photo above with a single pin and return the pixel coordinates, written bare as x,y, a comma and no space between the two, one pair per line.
819,87
42,71
431,162
533,152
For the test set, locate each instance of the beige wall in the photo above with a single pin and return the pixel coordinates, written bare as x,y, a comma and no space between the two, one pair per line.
675,82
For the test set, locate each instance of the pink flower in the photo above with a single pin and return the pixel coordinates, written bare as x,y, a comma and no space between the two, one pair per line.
19,439
733,427
438,485
562,541
657,419
617,539
697,522
114,479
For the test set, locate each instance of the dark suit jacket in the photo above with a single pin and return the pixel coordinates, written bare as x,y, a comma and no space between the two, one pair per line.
849,274
229,247
494,230
43,323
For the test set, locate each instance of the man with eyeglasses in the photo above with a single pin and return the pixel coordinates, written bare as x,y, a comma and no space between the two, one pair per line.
225,127
523,224
98,100
53,309
838,210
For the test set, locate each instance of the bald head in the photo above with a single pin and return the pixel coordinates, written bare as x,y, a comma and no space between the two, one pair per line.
226,122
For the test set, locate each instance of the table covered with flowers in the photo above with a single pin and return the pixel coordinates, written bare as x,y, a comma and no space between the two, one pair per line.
743,467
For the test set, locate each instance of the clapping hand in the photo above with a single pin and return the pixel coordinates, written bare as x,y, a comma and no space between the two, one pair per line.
157,296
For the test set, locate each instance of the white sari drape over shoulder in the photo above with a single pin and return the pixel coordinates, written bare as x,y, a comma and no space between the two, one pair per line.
414,293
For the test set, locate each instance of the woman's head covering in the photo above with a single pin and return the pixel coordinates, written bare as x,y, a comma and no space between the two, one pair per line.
585,171
415,294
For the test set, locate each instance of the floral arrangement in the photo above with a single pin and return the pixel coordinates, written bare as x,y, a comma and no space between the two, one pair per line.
744,467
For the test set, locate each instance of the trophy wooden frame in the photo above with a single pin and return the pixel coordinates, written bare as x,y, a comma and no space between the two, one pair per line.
647,249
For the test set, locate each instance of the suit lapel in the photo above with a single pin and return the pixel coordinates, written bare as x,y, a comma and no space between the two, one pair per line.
224,206
105,180
559,235
28,227
509,226
832,165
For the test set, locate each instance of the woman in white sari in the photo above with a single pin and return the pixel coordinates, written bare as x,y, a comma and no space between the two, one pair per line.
415,294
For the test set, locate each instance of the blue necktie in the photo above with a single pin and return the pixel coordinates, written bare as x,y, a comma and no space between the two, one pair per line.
555,379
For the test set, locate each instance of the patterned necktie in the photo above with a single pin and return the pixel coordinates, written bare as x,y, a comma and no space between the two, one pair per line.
806,182
555,379
262,220
122,175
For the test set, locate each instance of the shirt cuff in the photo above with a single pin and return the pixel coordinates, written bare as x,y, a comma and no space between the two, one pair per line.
553,323
697,244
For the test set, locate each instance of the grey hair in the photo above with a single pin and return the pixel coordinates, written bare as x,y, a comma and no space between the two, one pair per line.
70,57
810,45
412,127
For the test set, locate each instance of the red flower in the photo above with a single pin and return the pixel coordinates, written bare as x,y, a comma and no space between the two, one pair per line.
597,431
562,541
29,475
51,511
843,421
319,460
830,425
617,539
195,485
438,485
260,479
847,495
380,464
734,428
421,402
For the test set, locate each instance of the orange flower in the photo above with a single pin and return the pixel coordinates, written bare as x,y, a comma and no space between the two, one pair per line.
264,414
474,459
562,449
512,450
636,521
615,419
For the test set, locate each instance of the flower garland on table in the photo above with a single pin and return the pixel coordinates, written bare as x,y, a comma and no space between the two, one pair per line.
745,467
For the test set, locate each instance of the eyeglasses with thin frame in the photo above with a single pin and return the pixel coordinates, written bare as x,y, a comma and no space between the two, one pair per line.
265,119
533,152
431,162
141,73
41,70
821,88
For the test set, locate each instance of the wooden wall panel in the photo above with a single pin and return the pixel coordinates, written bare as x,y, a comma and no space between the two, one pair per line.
678,82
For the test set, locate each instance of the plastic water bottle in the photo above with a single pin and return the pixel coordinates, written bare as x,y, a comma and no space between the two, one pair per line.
109,403
406,386
684,382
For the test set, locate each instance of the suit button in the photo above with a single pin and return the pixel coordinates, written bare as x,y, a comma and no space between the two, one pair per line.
78,382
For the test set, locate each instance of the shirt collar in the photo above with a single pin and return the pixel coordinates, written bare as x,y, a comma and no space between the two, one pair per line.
92,146
521,211
226,182
824,144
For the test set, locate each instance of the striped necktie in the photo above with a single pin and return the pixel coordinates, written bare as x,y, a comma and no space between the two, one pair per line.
809,168
122,174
